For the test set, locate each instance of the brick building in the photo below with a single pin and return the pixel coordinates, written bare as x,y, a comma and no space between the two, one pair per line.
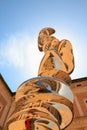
79,88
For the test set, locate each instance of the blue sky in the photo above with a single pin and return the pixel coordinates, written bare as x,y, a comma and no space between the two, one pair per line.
20,23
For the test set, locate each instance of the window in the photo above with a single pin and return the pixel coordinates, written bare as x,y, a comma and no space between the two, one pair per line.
85,101
78,85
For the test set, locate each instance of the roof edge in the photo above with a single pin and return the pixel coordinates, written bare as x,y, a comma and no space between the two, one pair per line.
12,93
79,79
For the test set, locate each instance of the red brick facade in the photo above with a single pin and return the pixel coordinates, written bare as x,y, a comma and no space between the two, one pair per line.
79,88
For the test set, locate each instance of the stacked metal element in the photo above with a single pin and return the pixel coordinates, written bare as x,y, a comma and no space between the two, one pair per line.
42,103
46,102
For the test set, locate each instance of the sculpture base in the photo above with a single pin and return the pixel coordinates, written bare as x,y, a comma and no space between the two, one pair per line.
42,103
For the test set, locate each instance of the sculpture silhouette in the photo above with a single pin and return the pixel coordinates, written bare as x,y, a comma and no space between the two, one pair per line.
46,102
58,58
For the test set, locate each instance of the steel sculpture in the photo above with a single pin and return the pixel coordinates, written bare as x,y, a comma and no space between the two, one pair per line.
46,102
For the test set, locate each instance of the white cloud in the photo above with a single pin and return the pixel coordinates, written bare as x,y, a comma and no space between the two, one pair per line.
20,51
